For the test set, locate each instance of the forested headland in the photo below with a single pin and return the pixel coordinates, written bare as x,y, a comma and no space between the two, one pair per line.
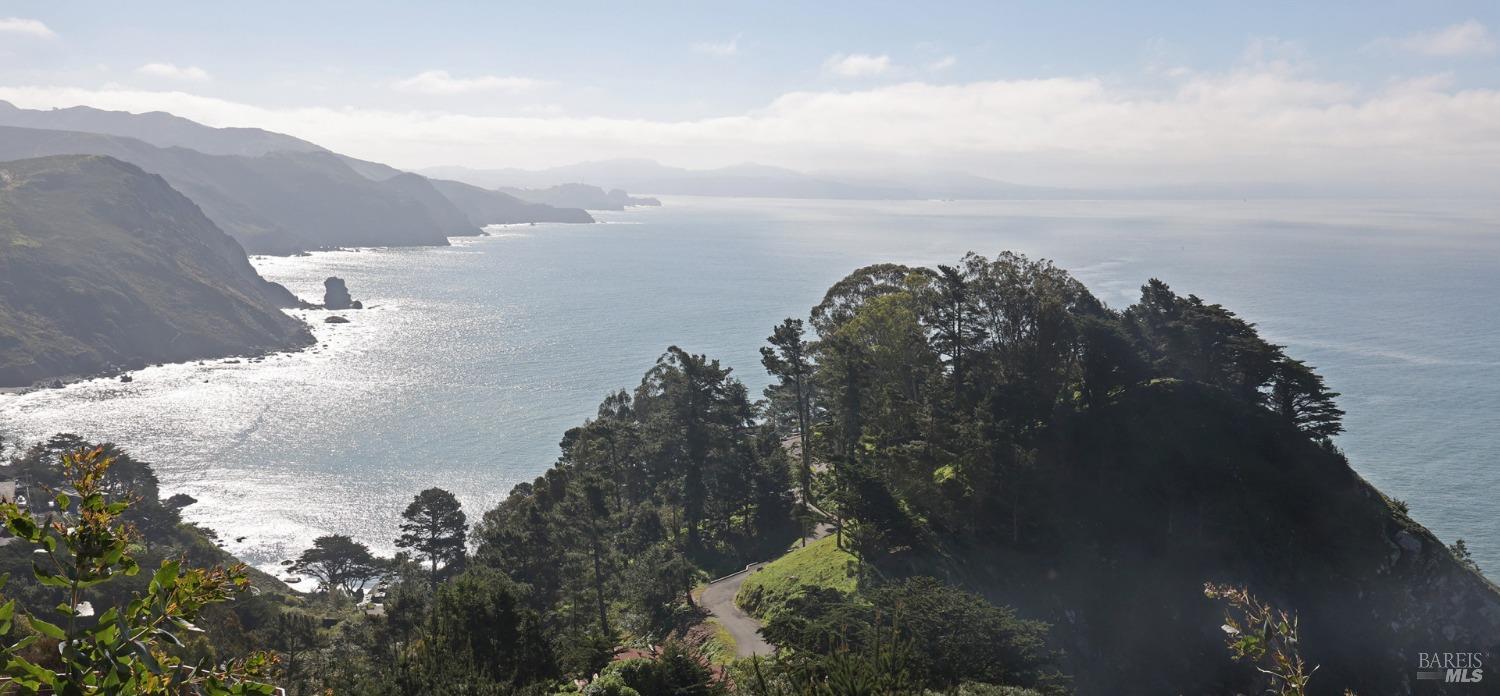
1026,492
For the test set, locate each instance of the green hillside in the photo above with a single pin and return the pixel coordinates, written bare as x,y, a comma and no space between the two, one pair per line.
103,265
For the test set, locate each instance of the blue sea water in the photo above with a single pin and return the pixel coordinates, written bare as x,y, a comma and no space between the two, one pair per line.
472,360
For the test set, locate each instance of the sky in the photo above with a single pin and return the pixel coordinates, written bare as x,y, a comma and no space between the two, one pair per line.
1400,96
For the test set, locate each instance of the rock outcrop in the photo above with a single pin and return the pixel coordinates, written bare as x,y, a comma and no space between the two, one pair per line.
336,294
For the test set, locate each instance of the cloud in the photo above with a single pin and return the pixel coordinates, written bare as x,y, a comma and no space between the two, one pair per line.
439,82
942,63
1464,39
29,27
169,71
722,49
857,64
1247,124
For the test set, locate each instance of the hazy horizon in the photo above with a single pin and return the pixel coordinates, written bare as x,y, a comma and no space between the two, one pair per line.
1391,100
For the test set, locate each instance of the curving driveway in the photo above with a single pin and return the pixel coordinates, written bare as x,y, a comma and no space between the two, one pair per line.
718,599
718,596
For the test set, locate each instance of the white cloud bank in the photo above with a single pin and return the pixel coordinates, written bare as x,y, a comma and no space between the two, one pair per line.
1469,38
441,83
27,27
1255,124
170,71
857,65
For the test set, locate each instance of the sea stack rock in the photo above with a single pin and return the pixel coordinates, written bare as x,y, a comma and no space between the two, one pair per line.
336,294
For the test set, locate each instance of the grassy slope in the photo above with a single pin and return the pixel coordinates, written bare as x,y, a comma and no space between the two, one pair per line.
820,564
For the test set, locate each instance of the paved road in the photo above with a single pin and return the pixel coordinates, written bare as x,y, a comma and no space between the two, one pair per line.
718,599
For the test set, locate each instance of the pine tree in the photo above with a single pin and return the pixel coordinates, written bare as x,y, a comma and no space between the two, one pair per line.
435,527
788,359
1300,396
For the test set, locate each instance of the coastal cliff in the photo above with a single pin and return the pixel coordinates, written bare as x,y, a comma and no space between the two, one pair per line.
106,267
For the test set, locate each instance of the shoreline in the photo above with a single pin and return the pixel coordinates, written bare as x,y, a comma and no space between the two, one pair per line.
63,381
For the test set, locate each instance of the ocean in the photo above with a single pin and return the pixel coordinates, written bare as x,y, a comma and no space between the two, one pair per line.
471,360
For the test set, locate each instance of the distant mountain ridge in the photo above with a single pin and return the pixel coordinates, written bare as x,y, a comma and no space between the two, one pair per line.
104,266
750,180
279,203
157,128
746,180
481,206
275,193
581,196
486,207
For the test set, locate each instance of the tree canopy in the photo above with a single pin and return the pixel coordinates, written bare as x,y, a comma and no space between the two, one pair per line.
434,526
340,563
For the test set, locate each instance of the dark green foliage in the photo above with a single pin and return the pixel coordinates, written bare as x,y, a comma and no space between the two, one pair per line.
940,387
36,472
672,478
1190,339
339,563
882,667
954,636
1460,551
693,411
789,359
1299,396
158,536
434,526
665,480
994,423
677,669
479,621
845,298
881,524
293,634
819,620
653,590
963,637
122,647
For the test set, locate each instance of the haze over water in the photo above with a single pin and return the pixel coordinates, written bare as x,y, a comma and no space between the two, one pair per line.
472,360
